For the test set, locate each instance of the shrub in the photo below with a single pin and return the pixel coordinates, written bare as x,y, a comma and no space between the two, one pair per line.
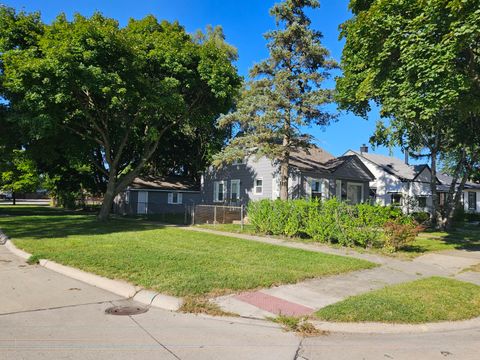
332,221
399,234
421,217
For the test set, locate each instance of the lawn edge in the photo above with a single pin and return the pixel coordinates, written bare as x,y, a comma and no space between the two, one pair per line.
122,288
167,302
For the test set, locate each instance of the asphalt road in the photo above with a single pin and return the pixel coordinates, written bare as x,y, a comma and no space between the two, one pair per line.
44,315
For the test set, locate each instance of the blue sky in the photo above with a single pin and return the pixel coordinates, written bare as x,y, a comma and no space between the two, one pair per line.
244,23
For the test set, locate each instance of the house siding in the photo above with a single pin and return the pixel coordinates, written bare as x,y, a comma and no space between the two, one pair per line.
246,173
157,202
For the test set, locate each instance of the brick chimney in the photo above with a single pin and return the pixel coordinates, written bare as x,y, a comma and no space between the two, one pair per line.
363,149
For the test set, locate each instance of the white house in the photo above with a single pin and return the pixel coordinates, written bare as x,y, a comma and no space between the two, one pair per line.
398,182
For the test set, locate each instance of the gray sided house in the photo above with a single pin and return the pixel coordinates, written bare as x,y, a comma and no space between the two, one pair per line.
150,196
314,174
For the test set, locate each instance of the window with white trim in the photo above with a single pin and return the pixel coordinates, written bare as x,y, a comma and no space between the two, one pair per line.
174,198
235,190
316,188
258,186
472,200
422,201
219,191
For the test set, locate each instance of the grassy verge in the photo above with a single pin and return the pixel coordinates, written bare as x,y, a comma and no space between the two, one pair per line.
168,260
232,228
428,300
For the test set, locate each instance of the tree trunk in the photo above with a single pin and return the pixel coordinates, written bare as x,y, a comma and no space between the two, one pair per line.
436,214
284,179
14,198
108,197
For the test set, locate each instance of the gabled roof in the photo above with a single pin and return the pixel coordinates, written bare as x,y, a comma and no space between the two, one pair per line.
311,159
174,183
393,165
446,180
315,159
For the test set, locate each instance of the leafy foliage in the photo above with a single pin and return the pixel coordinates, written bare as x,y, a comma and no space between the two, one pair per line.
419,61
119,90
285,92
19,174
333,221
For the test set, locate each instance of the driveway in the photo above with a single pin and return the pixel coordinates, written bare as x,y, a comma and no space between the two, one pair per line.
44,315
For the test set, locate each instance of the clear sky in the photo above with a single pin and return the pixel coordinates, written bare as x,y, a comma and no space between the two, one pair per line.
244,23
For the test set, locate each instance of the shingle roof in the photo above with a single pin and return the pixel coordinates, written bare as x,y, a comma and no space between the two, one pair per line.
312,159
446,180
394,166
176,183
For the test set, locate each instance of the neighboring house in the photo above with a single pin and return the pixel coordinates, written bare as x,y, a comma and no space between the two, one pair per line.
157,196
314,174
471,193
408,186
397,182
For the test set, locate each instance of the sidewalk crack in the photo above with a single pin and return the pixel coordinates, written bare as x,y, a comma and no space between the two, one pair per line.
155,339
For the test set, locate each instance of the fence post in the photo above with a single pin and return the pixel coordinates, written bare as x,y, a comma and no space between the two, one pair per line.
214,215
193,214
185,214
241,217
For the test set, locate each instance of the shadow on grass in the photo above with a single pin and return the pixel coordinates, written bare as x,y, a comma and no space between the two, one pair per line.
460,239
37,222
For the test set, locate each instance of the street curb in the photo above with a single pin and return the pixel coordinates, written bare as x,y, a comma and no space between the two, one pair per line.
122,288
166,302
383,328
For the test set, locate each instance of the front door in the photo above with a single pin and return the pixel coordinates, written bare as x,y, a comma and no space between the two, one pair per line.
354,193
142,203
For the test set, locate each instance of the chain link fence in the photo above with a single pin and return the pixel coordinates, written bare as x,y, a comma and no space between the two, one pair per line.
216,214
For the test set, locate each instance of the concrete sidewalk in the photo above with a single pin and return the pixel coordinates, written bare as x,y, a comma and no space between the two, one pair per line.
44,315
308,296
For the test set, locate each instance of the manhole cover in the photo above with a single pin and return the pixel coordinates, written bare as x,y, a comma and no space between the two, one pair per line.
126,310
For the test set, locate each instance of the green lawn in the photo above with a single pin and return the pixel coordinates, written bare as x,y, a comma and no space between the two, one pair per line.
233,228
428,300
466,238
169,260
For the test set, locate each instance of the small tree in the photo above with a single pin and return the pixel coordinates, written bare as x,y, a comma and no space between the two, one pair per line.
19,174
285,93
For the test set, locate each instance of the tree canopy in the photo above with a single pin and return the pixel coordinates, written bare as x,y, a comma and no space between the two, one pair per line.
285,93
119,90
419,61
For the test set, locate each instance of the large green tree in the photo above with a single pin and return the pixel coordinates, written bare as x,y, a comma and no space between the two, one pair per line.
419,61
285,93
119,90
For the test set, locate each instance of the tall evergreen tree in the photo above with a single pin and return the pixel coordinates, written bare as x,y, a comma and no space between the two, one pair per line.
285,93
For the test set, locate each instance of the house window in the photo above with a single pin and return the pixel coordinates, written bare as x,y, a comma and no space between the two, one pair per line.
235,190
396,199
258,186
338,189
174,198
472,200
422,201
218,191
316,189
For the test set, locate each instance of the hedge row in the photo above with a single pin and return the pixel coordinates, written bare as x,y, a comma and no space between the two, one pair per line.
334,221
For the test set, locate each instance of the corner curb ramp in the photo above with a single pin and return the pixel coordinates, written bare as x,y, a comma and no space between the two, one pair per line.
122,288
